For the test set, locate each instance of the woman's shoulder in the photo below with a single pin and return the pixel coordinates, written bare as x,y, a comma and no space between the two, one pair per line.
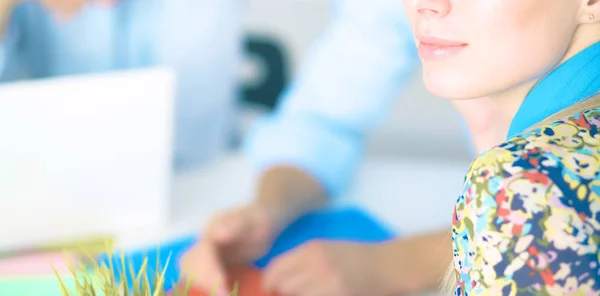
571,141
532,198
560,156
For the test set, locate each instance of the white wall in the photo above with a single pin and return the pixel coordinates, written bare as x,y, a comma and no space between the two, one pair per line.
427,123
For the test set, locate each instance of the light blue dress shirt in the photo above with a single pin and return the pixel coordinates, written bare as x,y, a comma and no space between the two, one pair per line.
97,39
201,40
352,76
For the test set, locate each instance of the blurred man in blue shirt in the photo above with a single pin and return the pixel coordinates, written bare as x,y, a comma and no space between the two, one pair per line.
308,151
200,40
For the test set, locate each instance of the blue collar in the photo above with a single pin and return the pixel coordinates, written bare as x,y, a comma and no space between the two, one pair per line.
574,81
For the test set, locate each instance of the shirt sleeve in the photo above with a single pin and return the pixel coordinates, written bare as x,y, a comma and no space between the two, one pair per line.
530,233
351,77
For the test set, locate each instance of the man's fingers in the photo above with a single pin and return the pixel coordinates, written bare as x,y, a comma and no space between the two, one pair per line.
280,270
230,227
202,266
297,284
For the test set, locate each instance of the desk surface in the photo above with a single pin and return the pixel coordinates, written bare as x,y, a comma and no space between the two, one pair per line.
409,195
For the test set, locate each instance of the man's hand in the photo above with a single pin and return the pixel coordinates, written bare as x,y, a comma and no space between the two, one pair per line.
235,237
402,266
243,235
323,268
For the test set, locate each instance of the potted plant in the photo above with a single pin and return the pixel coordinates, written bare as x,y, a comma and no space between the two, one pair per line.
102,279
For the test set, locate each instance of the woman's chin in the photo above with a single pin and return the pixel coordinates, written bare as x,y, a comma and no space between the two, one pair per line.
452,90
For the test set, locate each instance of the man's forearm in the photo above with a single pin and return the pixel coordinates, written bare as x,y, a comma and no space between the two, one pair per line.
291,191
421,261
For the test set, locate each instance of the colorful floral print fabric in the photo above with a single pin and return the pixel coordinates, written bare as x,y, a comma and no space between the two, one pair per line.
528,219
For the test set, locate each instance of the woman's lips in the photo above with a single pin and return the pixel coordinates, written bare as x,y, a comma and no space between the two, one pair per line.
435,48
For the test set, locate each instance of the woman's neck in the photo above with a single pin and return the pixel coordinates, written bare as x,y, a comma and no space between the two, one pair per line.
507,104
509,101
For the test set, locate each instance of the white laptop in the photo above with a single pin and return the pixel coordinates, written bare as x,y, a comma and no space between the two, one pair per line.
84,155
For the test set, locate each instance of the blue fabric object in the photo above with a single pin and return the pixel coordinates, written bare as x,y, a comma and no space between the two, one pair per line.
344,224
574,81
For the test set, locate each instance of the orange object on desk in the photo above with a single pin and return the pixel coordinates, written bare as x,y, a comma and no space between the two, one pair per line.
248,279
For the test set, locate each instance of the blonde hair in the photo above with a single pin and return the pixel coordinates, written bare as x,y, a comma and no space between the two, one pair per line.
452,276
450,279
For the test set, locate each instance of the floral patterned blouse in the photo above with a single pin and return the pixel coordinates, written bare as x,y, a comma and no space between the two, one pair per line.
528,219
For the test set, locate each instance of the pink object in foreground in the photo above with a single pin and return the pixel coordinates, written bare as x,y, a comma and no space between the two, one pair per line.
34,264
